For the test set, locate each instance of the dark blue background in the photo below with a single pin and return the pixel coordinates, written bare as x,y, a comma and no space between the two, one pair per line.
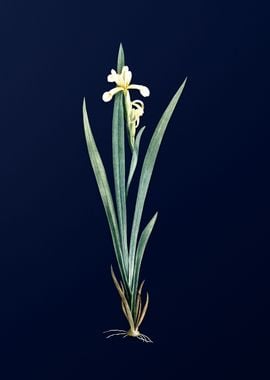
206,263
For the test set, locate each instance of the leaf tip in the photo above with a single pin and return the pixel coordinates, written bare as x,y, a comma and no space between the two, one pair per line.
83,102
120,58
184,83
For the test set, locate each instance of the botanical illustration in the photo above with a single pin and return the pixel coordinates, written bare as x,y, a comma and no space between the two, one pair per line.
126,137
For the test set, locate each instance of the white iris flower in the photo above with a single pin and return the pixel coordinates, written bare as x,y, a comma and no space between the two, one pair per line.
123,84
134,109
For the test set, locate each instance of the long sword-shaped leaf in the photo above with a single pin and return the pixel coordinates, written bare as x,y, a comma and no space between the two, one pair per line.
147,169
119,171
134,159
139,256
104,189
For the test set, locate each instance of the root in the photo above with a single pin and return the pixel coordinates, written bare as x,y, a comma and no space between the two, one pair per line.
129,333
145,338
109,336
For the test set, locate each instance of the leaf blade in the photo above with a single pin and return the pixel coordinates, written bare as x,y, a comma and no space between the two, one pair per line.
119,171
146,173
146,233
104,189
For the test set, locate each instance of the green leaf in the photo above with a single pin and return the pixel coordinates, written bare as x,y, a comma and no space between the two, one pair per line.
146,173
104,189
139,255
119,171
120,59
134,159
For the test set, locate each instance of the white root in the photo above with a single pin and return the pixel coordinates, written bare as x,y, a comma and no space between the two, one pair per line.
146,338
107,331
117,332
109,336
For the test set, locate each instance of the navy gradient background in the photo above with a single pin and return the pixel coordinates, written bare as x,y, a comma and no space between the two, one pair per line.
206,263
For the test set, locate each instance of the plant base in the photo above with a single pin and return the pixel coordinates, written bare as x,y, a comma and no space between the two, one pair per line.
134,321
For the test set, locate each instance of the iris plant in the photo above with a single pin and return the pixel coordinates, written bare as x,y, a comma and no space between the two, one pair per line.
129,250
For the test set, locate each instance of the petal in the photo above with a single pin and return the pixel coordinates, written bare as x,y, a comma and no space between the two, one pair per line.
137,122
124,70
115,90
126,75
107,96
143,89
112,77
132,116
138,103
138,111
